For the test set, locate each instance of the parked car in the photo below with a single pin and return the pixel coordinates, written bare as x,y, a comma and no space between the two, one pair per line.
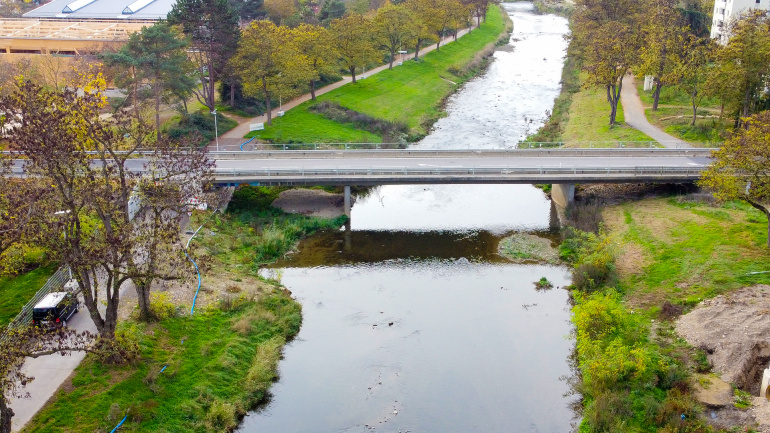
54,310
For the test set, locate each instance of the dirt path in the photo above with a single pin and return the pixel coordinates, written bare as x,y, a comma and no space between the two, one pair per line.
232,139
633,110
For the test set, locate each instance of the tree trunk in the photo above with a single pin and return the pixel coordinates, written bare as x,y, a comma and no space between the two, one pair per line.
232,94
312,90
438,44
157,108
417,49
353,73
392,57
613,95
6,414
143,295
656,94
694,107
747,103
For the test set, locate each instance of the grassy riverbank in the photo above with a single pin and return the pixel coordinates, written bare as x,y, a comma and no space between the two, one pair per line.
654,256
412,94
221,361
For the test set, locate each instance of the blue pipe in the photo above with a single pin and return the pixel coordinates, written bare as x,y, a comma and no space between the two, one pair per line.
120,424
192,309
164,367
250,140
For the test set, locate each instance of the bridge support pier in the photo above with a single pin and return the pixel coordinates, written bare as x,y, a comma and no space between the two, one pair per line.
563,194
347,201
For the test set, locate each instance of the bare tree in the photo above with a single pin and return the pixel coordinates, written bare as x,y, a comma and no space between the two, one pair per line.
91,166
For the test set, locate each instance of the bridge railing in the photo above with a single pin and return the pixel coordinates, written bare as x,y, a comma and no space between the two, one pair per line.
398,171
454,146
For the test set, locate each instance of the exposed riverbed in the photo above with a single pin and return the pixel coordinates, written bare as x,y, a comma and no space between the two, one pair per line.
412,320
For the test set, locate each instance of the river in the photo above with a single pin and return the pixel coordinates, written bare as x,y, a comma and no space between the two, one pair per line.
411,320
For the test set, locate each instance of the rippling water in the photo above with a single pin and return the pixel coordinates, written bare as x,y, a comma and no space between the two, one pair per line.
411,320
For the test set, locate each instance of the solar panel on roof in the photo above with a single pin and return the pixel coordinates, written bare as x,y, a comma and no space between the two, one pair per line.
136,6
77,4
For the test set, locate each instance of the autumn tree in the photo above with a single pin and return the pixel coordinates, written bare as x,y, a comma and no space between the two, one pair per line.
741,167
459,17
422,13
664,37
280,10
439,18
316,44
89,163
155,58
212,27
352,38
394,27
606,34
479,9
268,61
746,60
31,342
693,69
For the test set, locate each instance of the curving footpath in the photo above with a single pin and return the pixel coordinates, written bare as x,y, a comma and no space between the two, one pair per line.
231,140
633,110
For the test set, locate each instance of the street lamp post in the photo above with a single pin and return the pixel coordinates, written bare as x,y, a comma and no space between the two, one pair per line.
216,130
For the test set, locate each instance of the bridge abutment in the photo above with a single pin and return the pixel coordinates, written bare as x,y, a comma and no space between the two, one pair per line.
563,194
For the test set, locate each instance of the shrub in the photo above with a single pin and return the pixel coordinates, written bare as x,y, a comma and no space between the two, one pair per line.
391,132
221,416
161,306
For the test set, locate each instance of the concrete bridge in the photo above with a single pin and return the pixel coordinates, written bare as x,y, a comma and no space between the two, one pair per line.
561,167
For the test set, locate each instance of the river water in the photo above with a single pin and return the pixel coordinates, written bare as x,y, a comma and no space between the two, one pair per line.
411,320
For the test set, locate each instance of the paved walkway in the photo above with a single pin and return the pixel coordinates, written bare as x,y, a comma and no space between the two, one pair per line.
231,140
633,110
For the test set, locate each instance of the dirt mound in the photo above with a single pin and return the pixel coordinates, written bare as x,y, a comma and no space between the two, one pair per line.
311,202
734,330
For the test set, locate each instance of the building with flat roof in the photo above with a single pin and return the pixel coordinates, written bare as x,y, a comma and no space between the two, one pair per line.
726,10
104,9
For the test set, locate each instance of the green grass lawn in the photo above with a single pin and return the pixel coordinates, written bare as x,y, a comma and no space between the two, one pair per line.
684,251
673,103
589,122
17,291
224,367
411,93
301,126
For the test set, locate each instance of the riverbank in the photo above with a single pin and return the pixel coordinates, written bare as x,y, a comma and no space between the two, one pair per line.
197,372
411,94
655,260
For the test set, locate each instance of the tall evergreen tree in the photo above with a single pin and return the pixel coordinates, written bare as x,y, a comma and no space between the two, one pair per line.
212,26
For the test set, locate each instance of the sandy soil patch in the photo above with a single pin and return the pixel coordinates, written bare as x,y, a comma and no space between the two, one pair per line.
311,202
630,261
734,330
213,289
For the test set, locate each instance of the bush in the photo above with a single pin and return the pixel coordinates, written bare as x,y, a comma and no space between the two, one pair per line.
199,128
592,256
221,416
254,199
161,306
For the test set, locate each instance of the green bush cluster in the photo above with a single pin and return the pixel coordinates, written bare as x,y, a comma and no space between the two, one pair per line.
628,384
254,199
391,131
199,127
592,256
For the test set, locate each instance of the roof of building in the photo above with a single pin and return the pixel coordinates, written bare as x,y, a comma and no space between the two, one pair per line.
104,9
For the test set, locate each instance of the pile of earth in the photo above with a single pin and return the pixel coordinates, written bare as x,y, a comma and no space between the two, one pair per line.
734,331
311,202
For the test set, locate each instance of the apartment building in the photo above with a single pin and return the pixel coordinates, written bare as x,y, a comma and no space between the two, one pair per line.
727,10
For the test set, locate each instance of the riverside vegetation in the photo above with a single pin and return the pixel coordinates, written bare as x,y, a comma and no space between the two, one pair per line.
650,261
411,94
203,372
219,362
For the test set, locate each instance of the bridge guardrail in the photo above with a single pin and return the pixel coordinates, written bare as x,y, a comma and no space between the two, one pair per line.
438,171
425,153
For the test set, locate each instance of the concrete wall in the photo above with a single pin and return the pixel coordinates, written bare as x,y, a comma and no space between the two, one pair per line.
563,194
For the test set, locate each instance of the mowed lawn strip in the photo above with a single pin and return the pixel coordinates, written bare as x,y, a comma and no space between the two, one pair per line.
18,290
589,117
411,93
685,251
